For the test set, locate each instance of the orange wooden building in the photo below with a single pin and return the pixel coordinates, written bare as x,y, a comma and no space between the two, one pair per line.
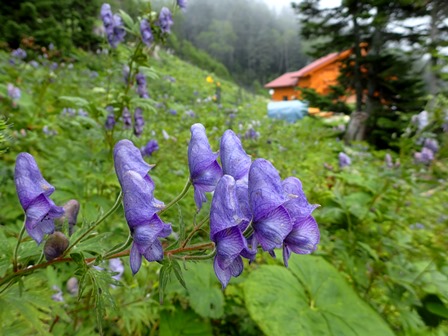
318,75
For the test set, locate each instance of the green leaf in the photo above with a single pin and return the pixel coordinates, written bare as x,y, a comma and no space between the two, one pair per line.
178,273
183,322
309,298
437,308
126,19
78,101
204,290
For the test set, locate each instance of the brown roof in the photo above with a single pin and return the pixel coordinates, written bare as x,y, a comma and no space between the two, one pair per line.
290,78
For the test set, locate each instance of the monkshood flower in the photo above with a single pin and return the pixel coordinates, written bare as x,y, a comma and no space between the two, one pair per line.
127,118
107,16
226,225
190,113
432,144
425,156
139,122
305,235
172,111
146,227
205,171
270,219
34,195
150,148
73,286
141,85
13,92
34,64
236,163
110,119
182,4
140,206
251,133
146,32
57,297
116,266
420,120
82,113
19,53
165,20
55,245
68,111
344,160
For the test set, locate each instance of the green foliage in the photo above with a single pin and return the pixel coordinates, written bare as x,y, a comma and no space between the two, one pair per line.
328,102
309,298
183,323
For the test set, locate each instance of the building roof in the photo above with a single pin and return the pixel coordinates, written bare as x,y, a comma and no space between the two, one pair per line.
291,78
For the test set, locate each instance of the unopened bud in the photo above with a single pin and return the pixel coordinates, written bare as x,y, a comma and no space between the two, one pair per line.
55,245
71,209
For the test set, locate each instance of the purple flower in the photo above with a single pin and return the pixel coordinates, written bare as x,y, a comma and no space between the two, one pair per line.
127,118
252,134
226,225
13,92
205,171
344,160
431,144
172,111
34,64
140,206
170,79
34,195
58,296
235,162
145,31
116,266
141,85
110,119
388,161
190,113
165,20
182,4
150,148
271,221
139,122
19,53
425,156
420,120
113,26
305,235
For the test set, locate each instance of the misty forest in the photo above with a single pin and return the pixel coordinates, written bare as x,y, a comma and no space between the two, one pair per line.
231,167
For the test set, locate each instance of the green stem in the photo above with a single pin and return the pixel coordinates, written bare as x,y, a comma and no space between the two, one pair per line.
196,257
195,229
19,240
98,222
178,198
120,248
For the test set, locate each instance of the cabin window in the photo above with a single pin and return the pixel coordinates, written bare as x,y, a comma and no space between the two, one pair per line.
285,97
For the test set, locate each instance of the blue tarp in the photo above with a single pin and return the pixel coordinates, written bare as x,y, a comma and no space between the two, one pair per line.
289,110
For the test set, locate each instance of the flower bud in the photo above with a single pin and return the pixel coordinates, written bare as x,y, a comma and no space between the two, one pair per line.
71,210
55,245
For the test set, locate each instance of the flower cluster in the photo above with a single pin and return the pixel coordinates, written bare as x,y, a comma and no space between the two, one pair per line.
150,148
126,118
110,119
165,20
139,122
140,206
248,196
146,32
71,112
141,85
19,53
113,26
344,160
426,156
13,92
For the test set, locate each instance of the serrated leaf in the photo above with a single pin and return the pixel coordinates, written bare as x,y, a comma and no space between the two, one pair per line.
178,273
309,298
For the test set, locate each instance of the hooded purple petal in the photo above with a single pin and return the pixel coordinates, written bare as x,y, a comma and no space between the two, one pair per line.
139,203
297,205
235,161
272,229
303,238
33,192
265,188
128,157
204,168
225,212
